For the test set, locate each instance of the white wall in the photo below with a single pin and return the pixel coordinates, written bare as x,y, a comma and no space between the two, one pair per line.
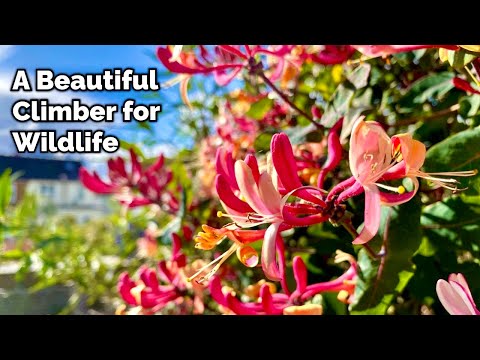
68,196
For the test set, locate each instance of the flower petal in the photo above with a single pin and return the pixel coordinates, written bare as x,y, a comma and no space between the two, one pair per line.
284,161
300,274
269,195
215,287
251,161
464,85
392,199
269,261
223,78
372,215
267,301
227,196
451,299
93,182
248,188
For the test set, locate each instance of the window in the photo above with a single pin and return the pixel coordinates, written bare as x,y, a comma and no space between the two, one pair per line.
47,190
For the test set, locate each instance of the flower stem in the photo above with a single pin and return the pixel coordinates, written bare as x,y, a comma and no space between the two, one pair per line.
352,231
451,110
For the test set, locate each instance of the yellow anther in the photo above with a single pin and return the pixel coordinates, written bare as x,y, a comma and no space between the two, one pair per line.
343,296
219,214
401,189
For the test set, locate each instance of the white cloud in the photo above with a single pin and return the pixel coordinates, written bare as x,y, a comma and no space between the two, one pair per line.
6,51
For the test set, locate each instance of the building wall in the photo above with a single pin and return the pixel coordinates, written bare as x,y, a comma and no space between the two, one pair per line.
68,197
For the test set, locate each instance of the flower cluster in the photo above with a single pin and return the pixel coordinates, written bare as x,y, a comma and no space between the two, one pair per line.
251,196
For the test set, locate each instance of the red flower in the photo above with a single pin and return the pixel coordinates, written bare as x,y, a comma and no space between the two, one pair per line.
135,188
156,289
289,303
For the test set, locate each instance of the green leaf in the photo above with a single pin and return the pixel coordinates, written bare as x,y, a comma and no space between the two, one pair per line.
262,142
127,146
428,87
5,190
459,58
377,287
259,109
344,94
453,224
302,134
359,76
469,106
458,152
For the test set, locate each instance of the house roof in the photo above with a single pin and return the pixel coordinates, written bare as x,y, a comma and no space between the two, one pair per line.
41,169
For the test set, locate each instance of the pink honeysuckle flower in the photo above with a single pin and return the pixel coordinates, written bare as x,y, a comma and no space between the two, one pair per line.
294,303
148,293
138,187
252,198
119,177
225,63
382,50
412,153
370,157
455,296
374,157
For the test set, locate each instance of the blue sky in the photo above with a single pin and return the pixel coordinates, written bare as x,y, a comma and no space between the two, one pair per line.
86,59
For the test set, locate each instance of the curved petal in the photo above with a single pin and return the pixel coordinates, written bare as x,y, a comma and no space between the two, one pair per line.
223,78
354,190
269,195
251,161
284,161
215,287
451,299
248,188
227,196
342,186
267,301
225,165
240,308
93,182
464,85
391,199
372,215
269,261
300,274
136,167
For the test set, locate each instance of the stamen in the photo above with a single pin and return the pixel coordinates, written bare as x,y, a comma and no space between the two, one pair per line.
221,259
341,256
399,189
343,296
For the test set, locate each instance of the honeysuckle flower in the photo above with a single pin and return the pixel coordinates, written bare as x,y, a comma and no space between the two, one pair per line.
138,187
295,303
455,296
370,157
117,172
148,293
252,198
225,63
375,157
413,154
372,51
